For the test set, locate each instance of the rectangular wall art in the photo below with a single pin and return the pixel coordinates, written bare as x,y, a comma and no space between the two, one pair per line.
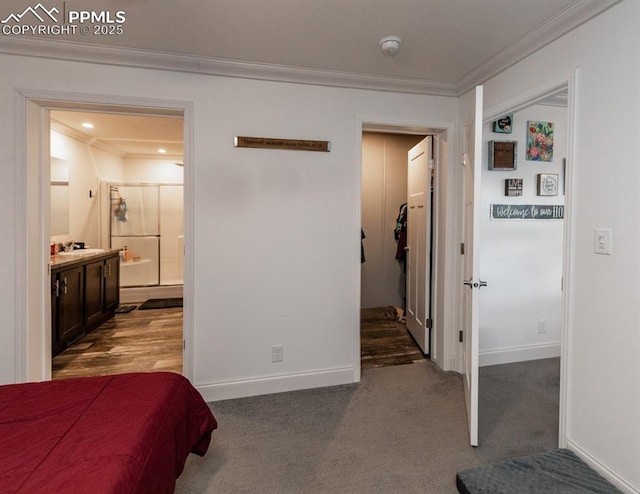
547,184
539,141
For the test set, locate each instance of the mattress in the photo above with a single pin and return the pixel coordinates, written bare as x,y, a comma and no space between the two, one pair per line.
128,433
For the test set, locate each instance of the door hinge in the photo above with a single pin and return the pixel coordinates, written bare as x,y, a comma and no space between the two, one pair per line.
462,249
184,344
432,164
461,336
429,323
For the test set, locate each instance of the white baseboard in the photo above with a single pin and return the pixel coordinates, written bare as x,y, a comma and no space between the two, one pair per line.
602,469
509,355
142,293
275,384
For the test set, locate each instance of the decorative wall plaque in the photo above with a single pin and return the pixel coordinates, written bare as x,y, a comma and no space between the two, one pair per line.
527,212
503,125
275,143
503,155
513,187
547,184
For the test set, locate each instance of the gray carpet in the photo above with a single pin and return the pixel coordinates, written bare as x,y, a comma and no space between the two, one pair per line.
401,430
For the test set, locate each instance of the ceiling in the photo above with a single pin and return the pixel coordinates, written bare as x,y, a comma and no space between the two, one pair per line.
128,136
445,43
447,47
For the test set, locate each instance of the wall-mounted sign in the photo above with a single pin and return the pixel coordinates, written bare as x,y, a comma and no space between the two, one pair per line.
503,125
503,155
526,212
274,143
513,187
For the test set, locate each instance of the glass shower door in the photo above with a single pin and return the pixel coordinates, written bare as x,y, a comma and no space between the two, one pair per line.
135,224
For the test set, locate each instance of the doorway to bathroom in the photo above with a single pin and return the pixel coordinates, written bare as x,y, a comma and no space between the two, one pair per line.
132,167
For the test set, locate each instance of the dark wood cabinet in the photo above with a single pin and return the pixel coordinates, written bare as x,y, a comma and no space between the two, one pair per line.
85,293
94,292
112,283
67,306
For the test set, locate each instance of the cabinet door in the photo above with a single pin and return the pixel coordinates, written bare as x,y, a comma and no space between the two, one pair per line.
94,292
112,284
70,313
56,345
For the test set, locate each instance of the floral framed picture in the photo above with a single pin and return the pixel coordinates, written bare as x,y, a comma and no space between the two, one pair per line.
540,141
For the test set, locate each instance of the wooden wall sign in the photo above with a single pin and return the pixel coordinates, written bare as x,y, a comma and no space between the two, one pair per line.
503,155
274,143
526,212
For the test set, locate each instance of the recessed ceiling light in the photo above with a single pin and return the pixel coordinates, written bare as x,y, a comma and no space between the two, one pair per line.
87,125
162,151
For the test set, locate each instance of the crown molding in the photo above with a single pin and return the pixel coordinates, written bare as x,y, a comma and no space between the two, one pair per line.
571,17
85,52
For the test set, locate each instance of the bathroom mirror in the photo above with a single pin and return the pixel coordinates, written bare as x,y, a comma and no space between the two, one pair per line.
59,222
59,207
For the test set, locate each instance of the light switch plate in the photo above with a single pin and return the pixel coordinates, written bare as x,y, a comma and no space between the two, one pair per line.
603,241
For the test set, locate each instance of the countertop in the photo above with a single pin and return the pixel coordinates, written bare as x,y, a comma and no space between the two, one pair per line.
59,261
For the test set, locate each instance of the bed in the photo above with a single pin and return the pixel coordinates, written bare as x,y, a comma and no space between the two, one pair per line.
128,433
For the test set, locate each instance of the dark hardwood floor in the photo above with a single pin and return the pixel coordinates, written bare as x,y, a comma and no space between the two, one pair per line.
138,341
384,340
151,340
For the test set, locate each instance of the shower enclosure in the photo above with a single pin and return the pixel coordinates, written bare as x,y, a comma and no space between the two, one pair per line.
147,219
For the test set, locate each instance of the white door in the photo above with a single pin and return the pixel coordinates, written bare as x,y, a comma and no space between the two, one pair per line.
419,242
472,284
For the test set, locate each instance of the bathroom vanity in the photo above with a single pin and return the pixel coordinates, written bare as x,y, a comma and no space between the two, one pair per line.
85,292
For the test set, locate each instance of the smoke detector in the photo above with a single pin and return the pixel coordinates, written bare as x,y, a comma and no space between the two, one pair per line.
390,45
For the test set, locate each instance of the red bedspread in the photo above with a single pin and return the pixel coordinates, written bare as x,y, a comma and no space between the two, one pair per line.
128,433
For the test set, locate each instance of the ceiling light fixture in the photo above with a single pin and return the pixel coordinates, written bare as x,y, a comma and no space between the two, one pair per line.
390,45
87,125
162,151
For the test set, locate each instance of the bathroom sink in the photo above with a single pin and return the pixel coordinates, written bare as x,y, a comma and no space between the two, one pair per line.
80,252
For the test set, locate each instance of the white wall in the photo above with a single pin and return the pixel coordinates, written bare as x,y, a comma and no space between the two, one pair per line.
521,260
148,171
277,233
384,190
603,345
87,166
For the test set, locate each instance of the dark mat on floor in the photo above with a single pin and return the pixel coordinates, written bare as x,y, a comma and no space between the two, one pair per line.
123,309
544,473
161,303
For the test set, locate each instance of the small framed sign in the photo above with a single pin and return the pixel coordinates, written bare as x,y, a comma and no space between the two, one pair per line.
503,155
513,187
503,125
547,184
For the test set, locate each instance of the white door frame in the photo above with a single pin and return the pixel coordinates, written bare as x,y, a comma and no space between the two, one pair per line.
519,102
443,195
33,305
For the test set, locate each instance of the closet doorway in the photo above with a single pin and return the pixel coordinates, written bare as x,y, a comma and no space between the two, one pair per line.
385,339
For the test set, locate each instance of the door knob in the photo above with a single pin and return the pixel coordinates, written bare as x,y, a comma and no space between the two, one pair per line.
469,283
482,283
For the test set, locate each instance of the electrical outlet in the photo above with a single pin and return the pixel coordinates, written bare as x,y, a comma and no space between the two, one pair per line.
542,326
277,353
